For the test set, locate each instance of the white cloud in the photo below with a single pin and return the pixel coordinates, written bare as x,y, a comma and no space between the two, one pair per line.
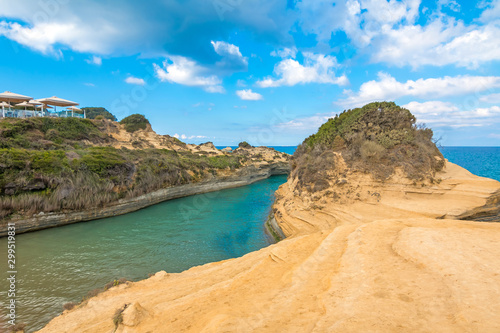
226,49
215,89
94,61
159,27
492,11
248,95
43,37
439,44
438,113
388,88
432,108
317,68
387,31
184,136
232,57
181,70
285,53
305,124
491,98
361,20
88,84
135,80
451,4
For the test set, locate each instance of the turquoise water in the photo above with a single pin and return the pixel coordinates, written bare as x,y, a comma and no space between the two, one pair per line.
481,161
62,264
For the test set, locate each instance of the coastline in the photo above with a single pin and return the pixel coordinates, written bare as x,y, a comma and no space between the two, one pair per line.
273,230
376,254
245,176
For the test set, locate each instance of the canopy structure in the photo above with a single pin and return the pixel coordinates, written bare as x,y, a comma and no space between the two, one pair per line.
56,101
37,104
9,97
25,105
73,109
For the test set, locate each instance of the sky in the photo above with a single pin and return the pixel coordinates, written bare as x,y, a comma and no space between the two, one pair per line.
264,71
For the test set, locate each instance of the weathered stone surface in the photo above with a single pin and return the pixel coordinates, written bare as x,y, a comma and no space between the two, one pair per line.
385,264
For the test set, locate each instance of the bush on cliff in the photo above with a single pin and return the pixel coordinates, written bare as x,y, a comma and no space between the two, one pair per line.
376,138
135,122
244,144
94,112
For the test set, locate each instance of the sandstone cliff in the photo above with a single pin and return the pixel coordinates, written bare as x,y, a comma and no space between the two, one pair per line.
388,263
365,251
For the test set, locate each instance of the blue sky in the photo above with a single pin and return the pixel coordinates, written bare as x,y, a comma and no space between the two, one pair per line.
268,72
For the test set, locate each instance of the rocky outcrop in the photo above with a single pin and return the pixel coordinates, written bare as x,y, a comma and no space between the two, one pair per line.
393,259
244,176
376,241
207,147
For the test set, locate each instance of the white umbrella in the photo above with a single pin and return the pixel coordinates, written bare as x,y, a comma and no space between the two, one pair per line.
25,104
8,97
56,101
37,104
73,109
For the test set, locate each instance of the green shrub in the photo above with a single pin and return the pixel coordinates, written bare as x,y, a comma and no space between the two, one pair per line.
30,133
100,160
244,144
376,138
98,113
135,122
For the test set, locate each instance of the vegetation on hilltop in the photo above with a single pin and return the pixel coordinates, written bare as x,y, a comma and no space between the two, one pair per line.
94,112
376,138
50,133
135,122
34,181
63,164
244,144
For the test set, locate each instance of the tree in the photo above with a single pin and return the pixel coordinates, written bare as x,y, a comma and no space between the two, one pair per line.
93,112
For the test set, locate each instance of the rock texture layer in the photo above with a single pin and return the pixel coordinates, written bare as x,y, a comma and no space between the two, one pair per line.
396,259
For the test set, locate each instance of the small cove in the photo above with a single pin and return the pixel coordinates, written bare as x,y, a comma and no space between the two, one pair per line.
62,264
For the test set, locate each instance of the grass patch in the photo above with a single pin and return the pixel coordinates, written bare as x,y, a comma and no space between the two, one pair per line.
49,133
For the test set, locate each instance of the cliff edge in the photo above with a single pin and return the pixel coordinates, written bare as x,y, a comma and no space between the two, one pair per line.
55,171
382,250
